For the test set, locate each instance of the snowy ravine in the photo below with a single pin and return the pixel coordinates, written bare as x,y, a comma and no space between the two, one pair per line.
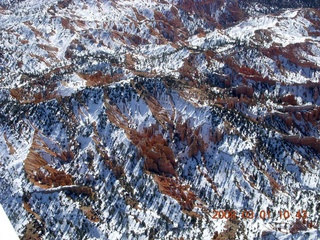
131,120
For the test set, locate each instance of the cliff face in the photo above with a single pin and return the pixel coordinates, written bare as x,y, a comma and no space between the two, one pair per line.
277,4
127,120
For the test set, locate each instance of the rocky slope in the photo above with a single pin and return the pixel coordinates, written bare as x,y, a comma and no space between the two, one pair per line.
131,120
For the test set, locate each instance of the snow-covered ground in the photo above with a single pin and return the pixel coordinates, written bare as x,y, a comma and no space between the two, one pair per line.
130,120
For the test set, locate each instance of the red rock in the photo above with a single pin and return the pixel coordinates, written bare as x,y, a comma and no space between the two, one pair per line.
298,226
289,99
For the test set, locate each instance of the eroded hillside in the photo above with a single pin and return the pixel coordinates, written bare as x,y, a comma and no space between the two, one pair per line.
127,120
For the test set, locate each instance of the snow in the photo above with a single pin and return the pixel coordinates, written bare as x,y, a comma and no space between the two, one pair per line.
288,28
235,165
6,229
74,84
